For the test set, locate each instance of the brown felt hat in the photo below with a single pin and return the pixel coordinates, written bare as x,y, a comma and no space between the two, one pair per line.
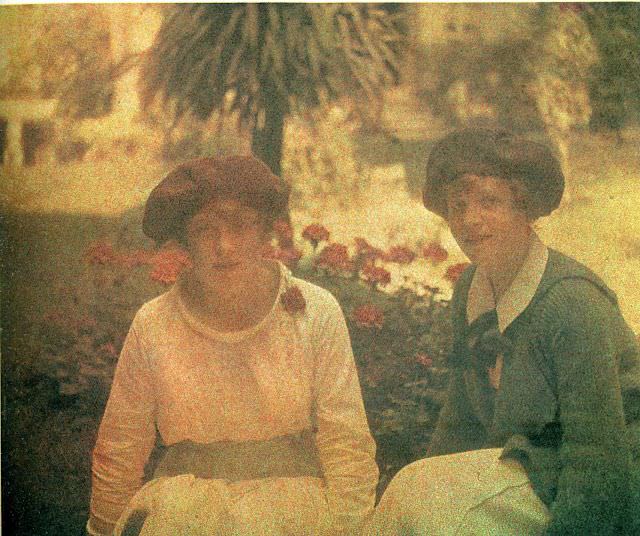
496,153
186,189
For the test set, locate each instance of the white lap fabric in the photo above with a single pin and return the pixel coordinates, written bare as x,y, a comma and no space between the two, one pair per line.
464,494
189,506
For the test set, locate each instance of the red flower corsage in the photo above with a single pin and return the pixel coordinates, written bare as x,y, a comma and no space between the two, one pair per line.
293,301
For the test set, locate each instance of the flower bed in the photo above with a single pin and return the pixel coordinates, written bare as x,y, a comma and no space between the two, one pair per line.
58,368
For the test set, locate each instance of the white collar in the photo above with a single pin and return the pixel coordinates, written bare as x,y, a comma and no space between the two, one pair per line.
519,294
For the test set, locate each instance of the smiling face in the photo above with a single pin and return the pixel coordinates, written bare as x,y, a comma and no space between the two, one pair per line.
487,220
225,240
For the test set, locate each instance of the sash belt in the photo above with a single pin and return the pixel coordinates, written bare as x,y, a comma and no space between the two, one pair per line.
283,456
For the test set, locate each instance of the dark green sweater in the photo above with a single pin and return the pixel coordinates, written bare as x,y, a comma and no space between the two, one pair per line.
568,407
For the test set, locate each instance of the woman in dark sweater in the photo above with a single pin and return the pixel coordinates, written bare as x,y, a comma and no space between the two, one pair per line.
540,432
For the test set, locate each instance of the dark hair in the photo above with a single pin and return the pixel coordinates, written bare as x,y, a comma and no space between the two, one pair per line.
496,153
186,189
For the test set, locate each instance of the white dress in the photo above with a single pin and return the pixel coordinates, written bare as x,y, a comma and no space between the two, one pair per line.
289,374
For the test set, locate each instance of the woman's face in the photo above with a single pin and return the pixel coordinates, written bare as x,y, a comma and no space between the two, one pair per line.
225,239
486,220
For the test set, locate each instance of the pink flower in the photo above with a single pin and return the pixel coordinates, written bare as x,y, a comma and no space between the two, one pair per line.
376,275
293,301
424,360
284,232
399,254
335,257
368,316
100,253
289,256
454,271
315,233
167,265
435,253
366,250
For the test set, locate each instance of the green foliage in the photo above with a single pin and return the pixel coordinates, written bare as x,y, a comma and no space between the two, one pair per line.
531,79
60,52
615,83
237,57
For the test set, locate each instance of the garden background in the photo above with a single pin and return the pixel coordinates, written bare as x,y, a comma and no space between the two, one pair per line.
98,102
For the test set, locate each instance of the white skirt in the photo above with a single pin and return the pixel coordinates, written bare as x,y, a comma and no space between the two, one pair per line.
188,506
469,493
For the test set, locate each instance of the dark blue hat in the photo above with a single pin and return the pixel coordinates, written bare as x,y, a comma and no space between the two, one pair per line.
496,153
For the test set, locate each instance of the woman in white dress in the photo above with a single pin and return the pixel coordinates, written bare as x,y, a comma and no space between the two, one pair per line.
245,372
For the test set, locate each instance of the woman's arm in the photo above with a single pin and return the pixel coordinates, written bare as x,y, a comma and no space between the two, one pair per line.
593,482
125,438
457,428
345,445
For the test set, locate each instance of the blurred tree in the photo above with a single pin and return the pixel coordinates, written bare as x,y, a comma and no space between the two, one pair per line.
615,84
262,61
60,52
561,63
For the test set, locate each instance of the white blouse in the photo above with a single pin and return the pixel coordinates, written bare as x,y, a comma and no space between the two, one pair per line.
289,373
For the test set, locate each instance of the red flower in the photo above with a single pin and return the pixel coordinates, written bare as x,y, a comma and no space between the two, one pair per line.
284,232
293,301
368,316
454,271
135,258
376,275
424,360
110,349
335,257
399,254
288,256
167,265
576,7
366,250
100,253
374,373
435,253
315,233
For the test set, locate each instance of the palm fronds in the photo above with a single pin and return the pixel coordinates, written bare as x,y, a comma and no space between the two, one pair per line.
240,57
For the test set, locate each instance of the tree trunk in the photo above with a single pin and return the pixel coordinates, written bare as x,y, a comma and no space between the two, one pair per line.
267,138
266,142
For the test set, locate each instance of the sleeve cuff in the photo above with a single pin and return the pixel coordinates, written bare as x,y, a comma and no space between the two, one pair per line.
95,527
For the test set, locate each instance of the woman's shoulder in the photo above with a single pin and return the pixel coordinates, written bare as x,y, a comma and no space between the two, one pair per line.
318,300
571,296
156,311
573,284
